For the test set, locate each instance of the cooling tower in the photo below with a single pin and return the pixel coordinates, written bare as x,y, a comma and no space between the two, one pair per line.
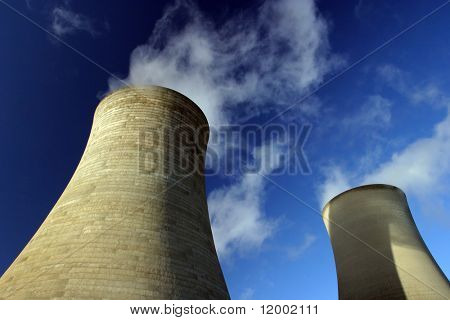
133,222
378,250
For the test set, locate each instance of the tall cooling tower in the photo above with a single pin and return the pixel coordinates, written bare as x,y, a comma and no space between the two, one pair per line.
133,221
378,250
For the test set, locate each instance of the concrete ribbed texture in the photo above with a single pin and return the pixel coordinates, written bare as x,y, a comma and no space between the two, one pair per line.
378,250
127,226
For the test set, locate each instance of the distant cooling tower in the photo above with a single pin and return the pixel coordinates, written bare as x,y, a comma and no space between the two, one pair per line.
378,250
133,221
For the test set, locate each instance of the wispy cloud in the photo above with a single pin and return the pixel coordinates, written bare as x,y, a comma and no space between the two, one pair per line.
375,112
28,3
362,9
65,22
416,93
394,77
296,252
247,294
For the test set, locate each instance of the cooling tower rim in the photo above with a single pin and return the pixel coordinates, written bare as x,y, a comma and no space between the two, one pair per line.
126,88
364,187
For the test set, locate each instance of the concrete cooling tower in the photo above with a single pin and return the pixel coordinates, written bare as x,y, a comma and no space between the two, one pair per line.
133,221
378,250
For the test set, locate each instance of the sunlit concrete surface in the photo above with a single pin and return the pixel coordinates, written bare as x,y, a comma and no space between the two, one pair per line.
378,250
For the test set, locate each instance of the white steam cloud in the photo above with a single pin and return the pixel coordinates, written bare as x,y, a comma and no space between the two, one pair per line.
269,55
66,21
260,60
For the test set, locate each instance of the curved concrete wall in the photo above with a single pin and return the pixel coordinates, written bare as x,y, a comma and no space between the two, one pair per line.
378,250
133,221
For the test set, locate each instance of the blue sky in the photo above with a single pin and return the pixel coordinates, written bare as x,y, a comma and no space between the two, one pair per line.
383,120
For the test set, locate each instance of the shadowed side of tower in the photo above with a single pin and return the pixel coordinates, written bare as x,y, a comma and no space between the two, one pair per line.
377,247
133,221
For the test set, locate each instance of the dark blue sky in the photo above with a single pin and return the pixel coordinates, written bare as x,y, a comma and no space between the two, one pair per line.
48,95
